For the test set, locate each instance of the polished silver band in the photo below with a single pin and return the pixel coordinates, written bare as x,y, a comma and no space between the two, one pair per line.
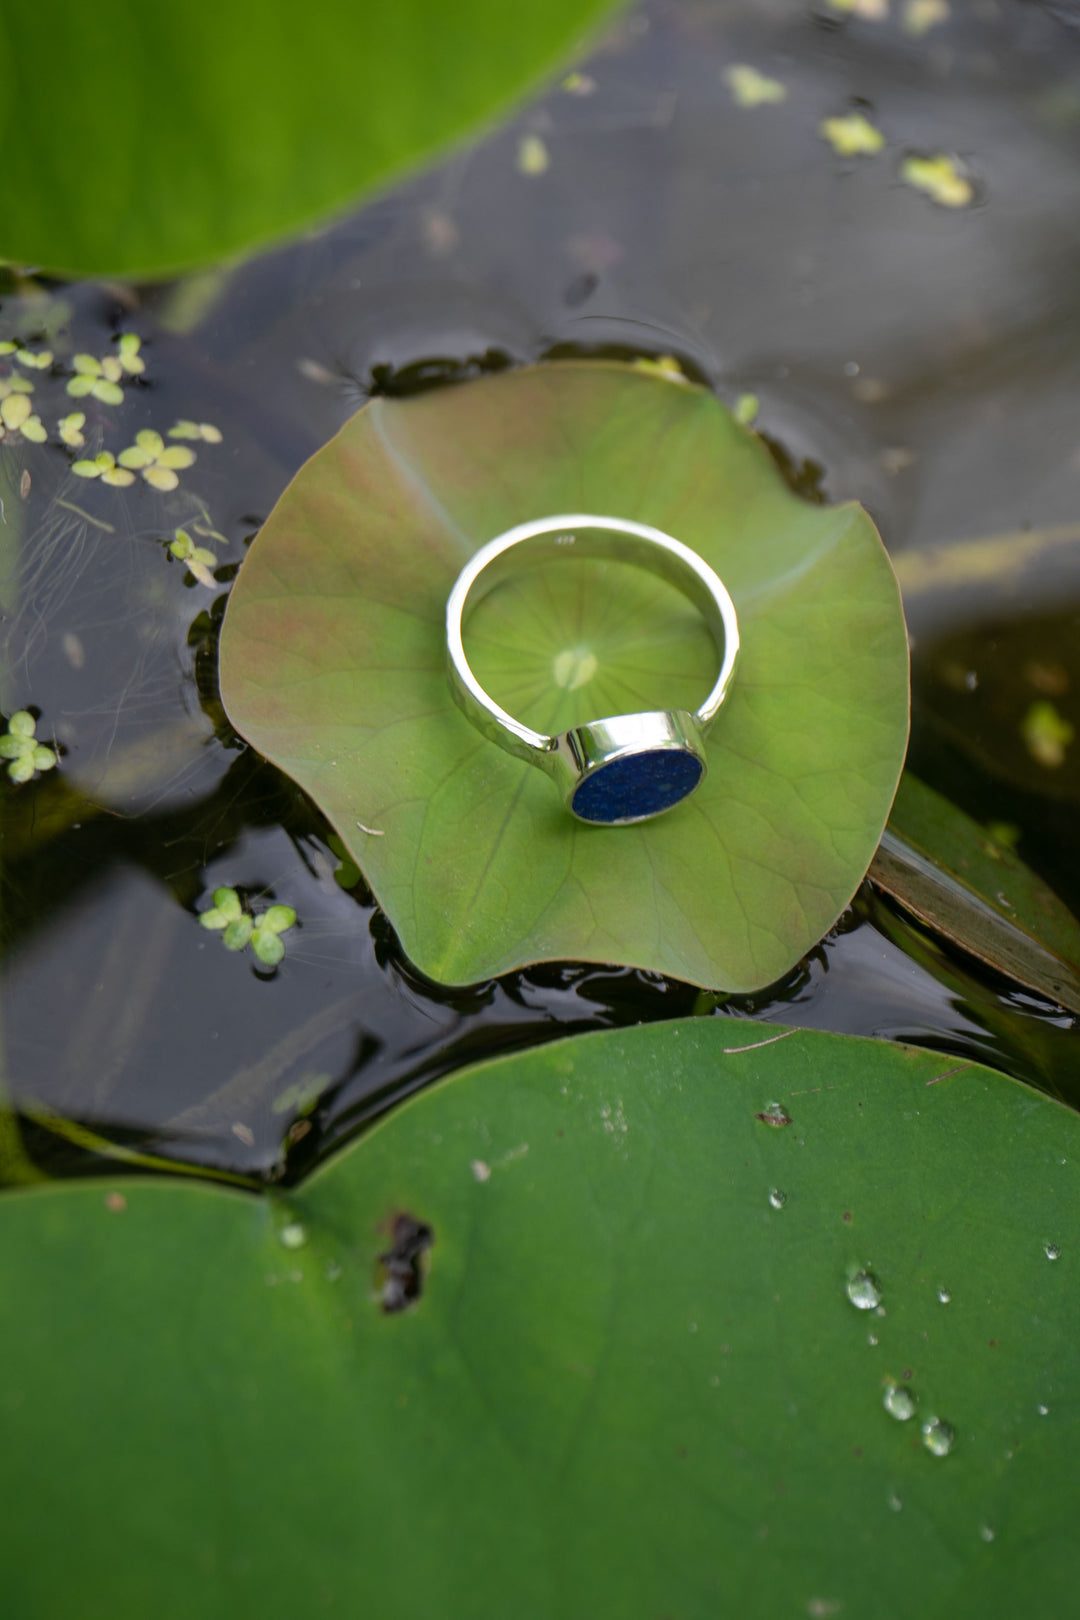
625,768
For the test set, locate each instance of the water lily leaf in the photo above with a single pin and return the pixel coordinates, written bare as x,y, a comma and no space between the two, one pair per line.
202,134
655,1356
956,877
332,665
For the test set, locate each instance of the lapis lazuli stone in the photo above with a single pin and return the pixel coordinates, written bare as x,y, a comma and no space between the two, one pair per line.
638,785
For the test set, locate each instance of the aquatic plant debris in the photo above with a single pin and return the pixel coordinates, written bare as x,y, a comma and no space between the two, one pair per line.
157,462
774,1114
15,385
21,748
199,559
751,88
745,409
1046,734
101,378
240,928
941,178
533,156
852,136
41,361
17,420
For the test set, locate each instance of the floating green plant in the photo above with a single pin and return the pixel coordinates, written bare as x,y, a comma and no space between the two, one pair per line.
157,462
41,361
103,466
196,430
102,378
199,559
941,178
751,88
21,748
852,136
17,419
70,429
239,928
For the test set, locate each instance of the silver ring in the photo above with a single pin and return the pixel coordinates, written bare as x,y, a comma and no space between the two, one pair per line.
627,767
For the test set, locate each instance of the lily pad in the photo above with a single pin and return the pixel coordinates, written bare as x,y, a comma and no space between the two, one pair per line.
205,131
953,875
332,665
657,1354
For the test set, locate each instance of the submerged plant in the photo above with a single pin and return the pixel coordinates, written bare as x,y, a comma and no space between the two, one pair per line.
19,745
239,928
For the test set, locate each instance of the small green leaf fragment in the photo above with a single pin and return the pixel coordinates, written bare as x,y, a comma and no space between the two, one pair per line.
162,478
79,386
86,469
184,430
1046,735
746,409
85,365
750,88
118,477
214,919
44,759
22,723
21,769
940,178
110,393
34,429
664,366
852,136
227,902
238,933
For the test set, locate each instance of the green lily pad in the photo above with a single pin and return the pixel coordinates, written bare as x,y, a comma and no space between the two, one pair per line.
953,875
659,1362
332,665
205,131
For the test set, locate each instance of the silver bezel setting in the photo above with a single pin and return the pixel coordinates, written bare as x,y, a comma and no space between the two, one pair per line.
579,754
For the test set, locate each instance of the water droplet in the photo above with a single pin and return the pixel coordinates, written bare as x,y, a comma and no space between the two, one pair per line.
986,1532
938,1436
871,1339
293,1236
1051,1251
1042,1410
943,1296
863,1291
774,1114
895,1503
899,1402
777,1198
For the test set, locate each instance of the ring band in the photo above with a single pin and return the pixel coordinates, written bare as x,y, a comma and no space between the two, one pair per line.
628,767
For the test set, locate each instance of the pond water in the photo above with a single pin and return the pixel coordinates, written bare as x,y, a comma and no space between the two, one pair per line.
920,358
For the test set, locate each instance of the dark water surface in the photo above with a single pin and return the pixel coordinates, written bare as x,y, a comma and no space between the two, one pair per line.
922,359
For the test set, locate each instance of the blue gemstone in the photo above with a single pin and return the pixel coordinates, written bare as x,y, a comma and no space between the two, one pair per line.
638,785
